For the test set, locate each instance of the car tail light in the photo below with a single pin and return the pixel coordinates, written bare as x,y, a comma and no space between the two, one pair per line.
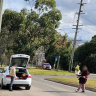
29,76
8,76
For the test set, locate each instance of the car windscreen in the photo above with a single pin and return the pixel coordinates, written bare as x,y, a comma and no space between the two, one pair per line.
20,62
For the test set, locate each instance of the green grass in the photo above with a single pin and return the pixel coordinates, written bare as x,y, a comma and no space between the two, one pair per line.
91,83
37,71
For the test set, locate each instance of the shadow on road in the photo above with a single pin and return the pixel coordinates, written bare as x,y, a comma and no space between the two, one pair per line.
60,91
14,88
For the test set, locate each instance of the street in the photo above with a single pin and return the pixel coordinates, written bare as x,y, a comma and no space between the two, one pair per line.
41,87
55,39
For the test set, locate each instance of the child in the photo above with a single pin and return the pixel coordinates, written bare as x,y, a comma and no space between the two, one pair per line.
83,79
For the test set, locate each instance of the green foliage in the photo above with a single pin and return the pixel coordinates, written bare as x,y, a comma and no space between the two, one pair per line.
86,55
24,11
21,44
45,4
24,32
62,49
52,17
12,20
94,38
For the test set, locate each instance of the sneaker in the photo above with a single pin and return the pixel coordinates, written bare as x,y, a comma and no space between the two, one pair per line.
83,91
76,90
10,90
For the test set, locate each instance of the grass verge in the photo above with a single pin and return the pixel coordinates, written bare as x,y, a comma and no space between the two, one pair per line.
90,85
37,71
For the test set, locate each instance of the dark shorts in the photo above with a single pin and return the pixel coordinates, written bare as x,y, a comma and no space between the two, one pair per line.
82,80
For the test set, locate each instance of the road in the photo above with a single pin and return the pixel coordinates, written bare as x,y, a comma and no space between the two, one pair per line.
41,87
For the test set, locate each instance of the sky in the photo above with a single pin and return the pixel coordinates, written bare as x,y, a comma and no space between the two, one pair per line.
68,9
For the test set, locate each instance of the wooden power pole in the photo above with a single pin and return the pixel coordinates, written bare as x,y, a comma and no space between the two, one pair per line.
1,7
75,38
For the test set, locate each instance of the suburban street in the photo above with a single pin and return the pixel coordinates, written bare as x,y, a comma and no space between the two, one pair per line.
41,87
49,46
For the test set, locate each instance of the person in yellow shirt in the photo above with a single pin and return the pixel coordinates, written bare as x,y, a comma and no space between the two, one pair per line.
12,75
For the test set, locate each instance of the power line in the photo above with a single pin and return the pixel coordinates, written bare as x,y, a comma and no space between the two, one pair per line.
75,38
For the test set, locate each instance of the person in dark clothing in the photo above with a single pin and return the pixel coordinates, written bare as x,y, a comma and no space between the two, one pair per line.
83,78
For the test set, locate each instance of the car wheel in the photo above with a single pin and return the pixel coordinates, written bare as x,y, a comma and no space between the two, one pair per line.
2,86
27,87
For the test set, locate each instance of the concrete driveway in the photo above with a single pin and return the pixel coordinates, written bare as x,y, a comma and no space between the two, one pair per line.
41,87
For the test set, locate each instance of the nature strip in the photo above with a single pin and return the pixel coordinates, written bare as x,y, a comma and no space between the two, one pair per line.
69,84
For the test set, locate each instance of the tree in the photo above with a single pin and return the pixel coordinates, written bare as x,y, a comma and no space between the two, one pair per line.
42,5
86,55
11,24
63,49
42,27
12,20
94,38
24,11
24,32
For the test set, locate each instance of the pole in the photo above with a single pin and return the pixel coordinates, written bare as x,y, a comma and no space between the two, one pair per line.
75,38
1,7
54,64
58,63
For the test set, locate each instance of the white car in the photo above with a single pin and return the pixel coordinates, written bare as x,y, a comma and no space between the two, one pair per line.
24,78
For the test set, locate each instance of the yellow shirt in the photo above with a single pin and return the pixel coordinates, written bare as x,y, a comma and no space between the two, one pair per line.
13,71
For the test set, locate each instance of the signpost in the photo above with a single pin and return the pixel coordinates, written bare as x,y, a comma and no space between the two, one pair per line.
56,59
58,63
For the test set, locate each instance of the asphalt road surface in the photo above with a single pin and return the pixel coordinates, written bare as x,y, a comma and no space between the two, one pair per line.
41,87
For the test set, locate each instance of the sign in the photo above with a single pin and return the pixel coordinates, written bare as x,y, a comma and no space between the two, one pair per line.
56,58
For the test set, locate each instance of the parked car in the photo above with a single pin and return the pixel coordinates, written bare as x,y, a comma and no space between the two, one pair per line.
46,66
24,78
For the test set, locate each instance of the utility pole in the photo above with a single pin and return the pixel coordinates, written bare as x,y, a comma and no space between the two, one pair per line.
58,63
1,7
75,38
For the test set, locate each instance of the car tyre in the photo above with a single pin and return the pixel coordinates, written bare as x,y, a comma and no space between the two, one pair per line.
28,87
